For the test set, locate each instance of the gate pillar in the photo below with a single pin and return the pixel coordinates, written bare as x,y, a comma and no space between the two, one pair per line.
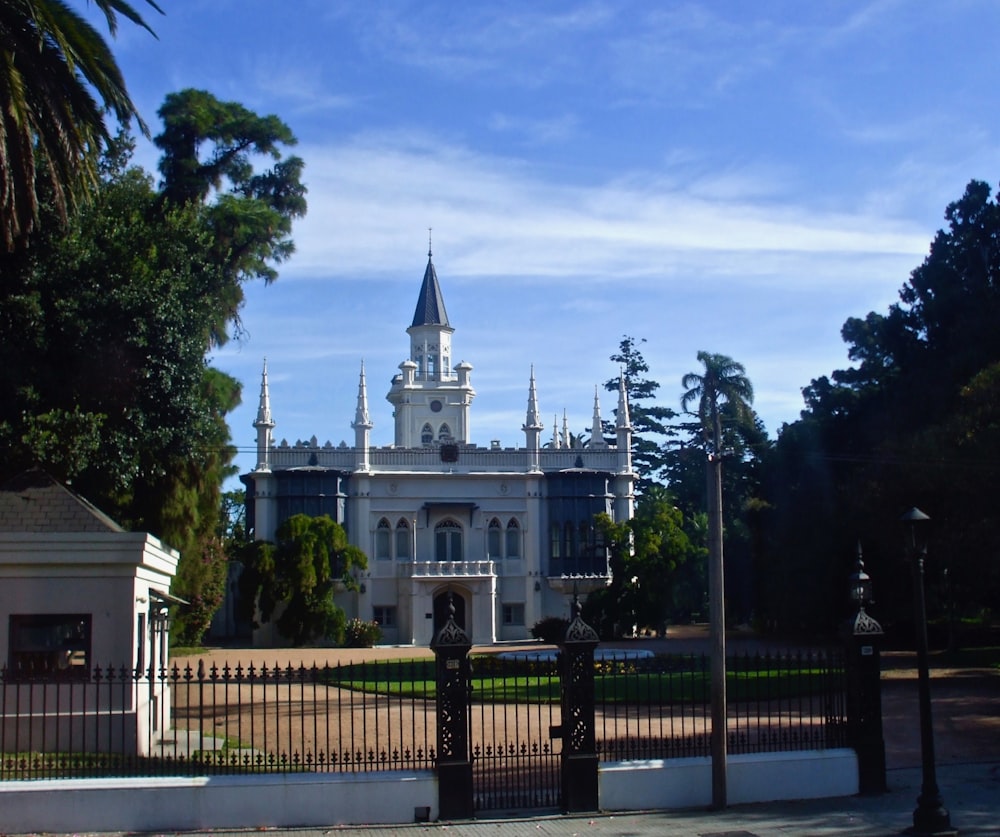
579,743
864,687
454,767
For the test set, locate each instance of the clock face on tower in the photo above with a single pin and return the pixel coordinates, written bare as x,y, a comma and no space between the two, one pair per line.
435,406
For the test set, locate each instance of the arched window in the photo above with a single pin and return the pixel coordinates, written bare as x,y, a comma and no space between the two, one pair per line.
427,436
444,434
404,541
493,540
513,539
448,541
382,542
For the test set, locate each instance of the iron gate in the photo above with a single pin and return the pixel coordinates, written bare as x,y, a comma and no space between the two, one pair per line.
515,731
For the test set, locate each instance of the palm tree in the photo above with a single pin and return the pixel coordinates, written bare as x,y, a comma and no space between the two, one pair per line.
52,64
724,382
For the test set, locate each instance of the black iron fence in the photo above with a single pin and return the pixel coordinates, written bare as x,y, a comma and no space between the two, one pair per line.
661,707
198,719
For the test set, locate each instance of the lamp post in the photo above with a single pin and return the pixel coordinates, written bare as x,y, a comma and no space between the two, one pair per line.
930,816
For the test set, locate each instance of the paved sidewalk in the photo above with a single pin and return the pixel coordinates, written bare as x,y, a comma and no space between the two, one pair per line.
971,793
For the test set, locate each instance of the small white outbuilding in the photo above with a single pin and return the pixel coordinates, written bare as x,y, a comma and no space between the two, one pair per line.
79,593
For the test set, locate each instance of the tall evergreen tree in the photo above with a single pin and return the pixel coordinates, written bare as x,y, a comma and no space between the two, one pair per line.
103,339
884,435
649,420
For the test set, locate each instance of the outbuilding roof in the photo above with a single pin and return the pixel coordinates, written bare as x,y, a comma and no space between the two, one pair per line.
36,502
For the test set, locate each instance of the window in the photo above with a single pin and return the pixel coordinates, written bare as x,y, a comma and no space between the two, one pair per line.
448,541
403,540
493,533
513,614
382,540
50,645
513,539
385,615
427,436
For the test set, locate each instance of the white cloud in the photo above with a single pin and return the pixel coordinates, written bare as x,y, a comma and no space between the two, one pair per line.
372,199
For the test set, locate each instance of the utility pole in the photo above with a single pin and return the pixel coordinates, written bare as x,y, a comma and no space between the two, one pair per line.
717,626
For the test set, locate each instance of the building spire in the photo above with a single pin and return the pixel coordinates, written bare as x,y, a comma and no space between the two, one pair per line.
597,426
430,303
264,405
624,421
362,425
532,420
533,426
361,417
264,423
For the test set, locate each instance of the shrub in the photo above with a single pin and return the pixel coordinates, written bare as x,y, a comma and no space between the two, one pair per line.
551,629
361,634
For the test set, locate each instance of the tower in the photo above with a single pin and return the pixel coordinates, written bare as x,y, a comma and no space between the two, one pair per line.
431,399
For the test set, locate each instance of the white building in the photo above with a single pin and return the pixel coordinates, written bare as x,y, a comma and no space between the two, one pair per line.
79,593
505,534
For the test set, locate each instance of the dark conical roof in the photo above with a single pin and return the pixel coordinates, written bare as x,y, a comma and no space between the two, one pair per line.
430,303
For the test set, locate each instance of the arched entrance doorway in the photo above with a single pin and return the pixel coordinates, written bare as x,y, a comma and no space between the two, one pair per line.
442,605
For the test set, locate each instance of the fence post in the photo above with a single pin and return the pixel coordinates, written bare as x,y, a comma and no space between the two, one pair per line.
864,687
453,675
579,743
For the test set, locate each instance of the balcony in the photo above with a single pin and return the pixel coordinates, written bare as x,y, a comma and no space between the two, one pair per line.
450,569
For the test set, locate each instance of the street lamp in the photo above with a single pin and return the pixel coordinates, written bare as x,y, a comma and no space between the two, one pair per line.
930,816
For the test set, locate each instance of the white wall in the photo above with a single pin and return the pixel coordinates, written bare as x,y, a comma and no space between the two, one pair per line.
181,804
756,777
297,800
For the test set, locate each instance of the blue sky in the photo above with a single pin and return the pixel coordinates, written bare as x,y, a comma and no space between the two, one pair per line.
729,176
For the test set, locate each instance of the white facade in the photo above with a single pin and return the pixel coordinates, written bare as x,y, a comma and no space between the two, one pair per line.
77,592
505,534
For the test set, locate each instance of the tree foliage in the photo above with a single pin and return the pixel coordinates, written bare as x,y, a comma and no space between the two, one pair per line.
52,128
722,384
293,580
912,422
209,148
646,554
103,338
649,420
